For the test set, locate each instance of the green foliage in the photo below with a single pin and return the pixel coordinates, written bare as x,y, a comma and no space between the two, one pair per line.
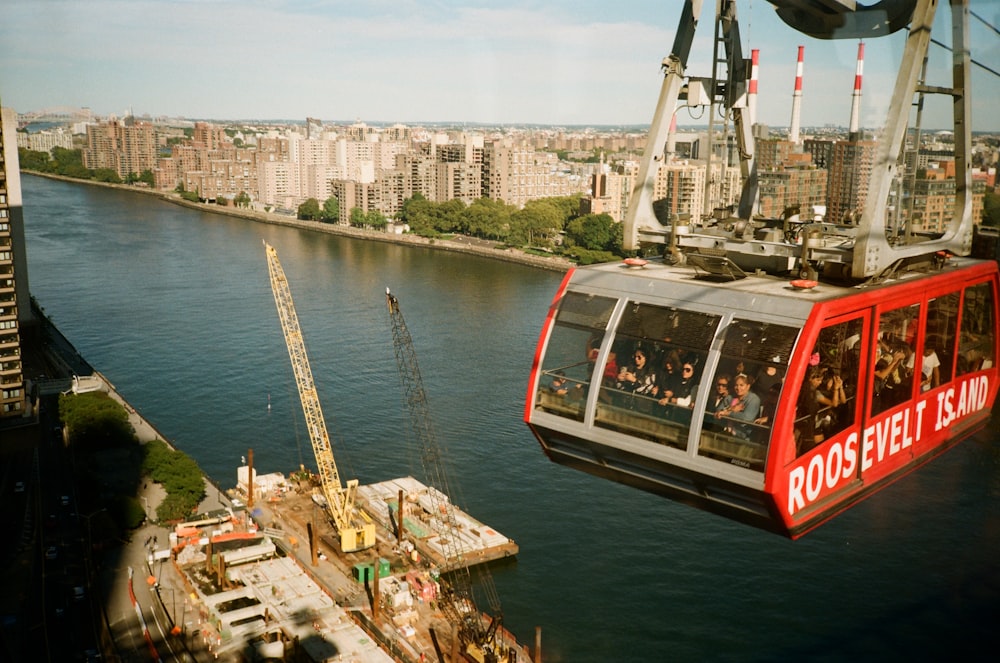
68,163
595,232
588,257
191,196
309,210
148,178
107,175
179,475
991,210
35,160
331,210
242,199
488,219
94,420
370,219
127,511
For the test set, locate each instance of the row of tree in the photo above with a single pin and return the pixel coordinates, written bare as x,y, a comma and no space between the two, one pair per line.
549,224
69,163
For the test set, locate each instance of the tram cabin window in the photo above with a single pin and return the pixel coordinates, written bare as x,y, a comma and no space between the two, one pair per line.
572,354
826,404
751,366
661,355
976,332
894,361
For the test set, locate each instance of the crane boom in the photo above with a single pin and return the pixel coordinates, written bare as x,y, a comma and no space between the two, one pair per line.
457,601
356,532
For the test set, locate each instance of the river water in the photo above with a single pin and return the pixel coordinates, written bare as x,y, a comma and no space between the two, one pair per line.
174,307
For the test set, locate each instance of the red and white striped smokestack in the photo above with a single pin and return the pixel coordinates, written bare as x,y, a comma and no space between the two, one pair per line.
856,96
752,92
793,132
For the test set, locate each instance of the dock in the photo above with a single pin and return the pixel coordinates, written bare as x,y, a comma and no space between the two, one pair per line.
256,582
476,542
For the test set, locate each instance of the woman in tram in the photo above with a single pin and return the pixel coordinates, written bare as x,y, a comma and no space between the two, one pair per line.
638,377
679,400
744,408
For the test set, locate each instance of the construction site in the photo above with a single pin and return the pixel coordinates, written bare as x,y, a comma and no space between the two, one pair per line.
312,568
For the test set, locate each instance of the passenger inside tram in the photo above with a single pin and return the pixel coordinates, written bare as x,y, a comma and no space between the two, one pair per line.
894,364
638,376
670,376
975,337
828,395
743,409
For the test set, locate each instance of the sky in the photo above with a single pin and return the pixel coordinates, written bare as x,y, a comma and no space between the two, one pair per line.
515,62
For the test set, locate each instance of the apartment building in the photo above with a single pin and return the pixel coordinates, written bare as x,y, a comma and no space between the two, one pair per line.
848,174
680,186
516,174
45,140
802,187
127,146
15,308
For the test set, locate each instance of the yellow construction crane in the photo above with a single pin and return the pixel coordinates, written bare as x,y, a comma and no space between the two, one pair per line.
355,529
479,642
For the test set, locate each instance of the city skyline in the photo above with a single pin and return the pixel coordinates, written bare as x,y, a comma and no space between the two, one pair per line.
454,61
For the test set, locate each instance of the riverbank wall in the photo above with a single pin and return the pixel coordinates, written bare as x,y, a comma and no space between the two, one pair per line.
458,244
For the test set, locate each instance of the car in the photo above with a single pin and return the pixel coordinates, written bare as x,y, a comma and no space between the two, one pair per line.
78,593
19,487
51,552
64,500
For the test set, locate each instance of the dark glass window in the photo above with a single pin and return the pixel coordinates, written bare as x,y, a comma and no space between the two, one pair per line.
572,352
976,335
658,355
738,423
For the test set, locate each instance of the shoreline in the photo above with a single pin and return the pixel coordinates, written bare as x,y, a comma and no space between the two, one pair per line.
467,245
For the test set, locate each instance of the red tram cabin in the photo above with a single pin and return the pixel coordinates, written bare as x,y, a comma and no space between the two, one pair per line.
774,405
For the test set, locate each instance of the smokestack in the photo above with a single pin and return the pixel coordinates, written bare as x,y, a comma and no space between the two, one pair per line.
752,101
856,96
793,132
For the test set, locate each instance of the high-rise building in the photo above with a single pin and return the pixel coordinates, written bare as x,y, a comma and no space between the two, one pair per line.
15,307
849,172
126,146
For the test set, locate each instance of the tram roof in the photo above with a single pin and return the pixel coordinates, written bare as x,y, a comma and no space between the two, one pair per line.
690,287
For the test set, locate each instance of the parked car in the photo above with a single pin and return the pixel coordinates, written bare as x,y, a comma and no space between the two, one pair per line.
51,552
19,487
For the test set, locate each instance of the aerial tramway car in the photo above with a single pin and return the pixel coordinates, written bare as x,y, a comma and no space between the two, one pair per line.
773,372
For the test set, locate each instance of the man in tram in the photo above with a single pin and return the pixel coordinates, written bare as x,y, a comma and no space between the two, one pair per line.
742,410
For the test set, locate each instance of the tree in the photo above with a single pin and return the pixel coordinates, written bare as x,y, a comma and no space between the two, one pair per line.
537,223
488,218
35,160
376,220
148,178
592,231
991,210
309,210
94,420
107,175
357,217
331,210
242,199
